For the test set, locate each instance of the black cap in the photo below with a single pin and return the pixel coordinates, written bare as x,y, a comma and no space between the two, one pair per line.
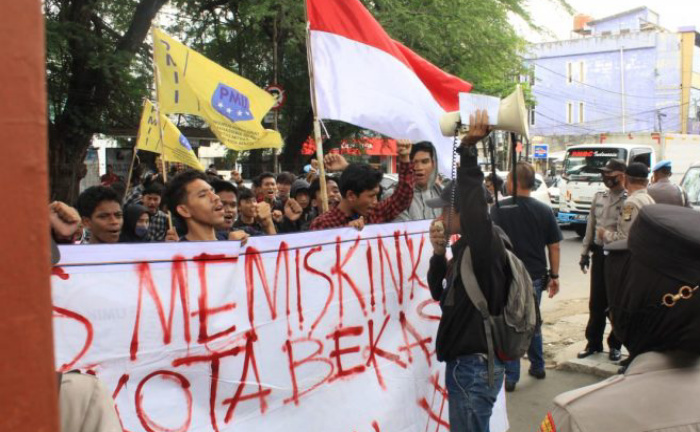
637,170
614,165
652,280
445,199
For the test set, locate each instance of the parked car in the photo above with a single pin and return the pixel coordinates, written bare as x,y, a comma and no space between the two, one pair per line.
691,184
554,194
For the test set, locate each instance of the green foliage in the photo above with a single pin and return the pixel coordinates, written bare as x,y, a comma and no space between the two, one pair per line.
472,39
85,42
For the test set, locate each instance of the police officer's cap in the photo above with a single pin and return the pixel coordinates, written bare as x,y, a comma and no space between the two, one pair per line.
614,165
661,165
637,170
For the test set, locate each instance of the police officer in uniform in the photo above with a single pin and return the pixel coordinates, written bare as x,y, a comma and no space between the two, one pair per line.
636,181
605,210
663,191
655,308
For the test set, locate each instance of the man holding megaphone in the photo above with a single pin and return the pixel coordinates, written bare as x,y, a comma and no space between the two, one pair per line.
461,341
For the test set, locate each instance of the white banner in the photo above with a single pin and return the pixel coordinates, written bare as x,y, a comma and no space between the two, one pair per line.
317,331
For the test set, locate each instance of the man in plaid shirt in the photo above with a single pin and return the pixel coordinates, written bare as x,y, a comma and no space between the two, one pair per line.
158,224
359,187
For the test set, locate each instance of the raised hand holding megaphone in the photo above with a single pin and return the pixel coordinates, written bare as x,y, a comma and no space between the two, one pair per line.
512,117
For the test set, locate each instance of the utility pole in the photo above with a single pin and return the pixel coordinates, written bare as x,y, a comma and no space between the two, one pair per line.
662,139
622,89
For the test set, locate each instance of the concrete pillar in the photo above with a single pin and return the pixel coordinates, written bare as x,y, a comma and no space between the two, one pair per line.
28,393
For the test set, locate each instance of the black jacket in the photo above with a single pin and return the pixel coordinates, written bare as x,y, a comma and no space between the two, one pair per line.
461,329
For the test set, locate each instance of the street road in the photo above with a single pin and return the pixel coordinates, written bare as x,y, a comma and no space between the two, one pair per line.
573,283
565,318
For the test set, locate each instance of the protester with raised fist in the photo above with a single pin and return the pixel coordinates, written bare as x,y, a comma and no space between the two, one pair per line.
359,189
255,218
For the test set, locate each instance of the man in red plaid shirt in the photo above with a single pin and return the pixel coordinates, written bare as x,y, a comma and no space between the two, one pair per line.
359,187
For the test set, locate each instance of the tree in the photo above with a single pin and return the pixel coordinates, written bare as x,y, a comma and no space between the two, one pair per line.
93,81
472,39
99,69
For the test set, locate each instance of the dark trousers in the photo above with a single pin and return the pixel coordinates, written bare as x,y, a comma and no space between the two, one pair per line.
598,304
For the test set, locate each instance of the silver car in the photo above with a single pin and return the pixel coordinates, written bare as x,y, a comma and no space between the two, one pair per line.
691,184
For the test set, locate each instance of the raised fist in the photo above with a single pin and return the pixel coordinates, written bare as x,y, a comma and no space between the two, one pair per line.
292,210
403,148
335,162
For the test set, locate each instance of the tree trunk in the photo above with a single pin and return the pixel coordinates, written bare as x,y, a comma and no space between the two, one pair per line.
66,155
291,158
88,94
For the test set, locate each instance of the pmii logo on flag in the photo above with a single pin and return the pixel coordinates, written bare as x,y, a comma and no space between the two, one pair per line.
231,103
185,142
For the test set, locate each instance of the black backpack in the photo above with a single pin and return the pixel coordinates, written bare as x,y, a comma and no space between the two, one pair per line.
507,335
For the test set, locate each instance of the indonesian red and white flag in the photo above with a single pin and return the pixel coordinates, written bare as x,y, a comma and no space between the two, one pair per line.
365,78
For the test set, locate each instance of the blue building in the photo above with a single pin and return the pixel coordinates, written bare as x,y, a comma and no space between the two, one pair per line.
619,74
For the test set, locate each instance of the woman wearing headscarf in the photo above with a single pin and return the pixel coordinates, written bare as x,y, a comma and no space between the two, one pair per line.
135,226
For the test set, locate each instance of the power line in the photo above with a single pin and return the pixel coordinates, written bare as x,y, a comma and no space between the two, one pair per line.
586,84
577,97
579,125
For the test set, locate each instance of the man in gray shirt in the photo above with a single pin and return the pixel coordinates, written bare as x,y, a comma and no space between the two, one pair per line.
425,171
662,190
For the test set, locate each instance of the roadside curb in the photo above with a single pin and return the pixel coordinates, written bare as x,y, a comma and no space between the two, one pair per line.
596,364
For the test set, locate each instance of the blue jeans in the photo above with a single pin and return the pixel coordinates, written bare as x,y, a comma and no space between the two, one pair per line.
534,353
470,397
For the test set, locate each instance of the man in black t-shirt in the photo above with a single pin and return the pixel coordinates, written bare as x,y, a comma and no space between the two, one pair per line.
532,228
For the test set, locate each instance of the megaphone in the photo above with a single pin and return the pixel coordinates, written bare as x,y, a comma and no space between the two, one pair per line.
512,117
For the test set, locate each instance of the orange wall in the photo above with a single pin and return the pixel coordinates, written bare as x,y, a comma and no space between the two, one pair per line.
27,381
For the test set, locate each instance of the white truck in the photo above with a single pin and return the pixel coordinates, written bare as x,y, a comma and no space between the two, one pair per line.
582,177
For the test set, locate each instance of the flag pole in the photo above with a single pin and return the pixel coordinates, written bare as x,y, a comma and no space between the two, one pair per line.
133,158
131,170
314,107
158,123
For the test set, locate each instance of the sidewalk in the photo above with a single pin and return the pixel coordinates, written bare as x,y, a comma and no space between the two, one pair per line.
563,331
532,398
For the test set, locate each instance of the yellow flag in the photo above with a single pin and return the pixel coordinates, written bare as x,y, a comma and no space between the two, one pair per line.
174,147
190,83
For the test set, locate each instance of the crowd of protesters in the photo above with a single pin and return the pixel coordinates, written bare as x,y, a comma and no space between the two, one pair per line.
196,206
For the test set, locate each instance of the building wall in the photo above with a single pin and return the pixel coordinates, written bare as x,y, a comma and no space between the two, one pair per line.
651,82
630,22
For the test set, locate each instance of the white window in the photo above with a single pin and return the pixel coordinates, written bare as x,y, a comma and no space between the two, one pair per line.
582,72
581,117
569,112
569,72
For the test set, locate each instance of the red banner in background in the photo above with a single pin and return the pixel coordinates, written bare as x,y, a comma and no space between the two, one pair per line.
366,146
